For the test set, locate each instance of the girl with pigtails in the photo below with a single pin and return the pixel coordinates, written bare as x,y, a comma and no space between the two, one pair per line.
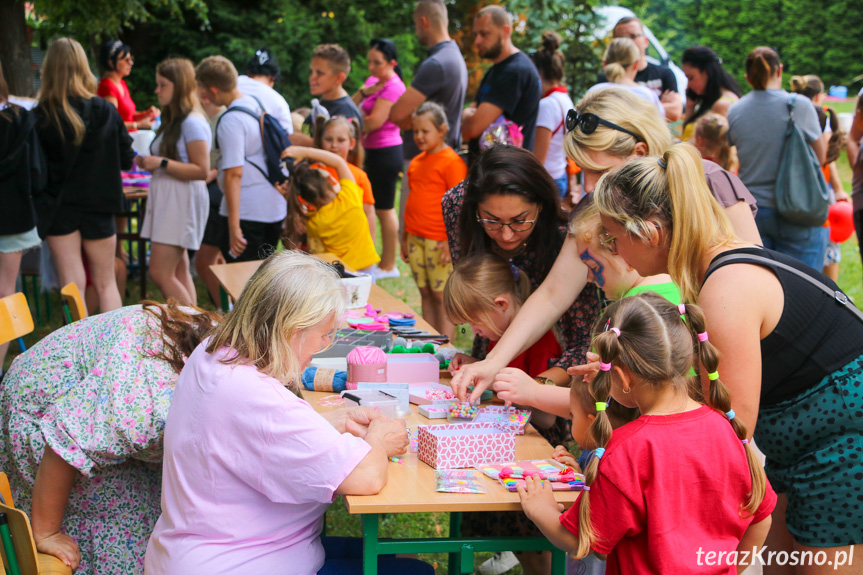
679,482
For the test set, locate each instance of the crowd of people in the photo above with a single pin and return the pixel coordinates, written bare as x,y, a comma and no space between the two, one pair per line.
597,258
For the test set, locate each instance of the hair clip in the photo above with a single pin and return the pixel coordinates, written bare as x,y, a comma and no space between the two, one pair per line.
604,366
682,309
702,337
607,324
661,163
713,375
599,452
516,273
744,441
263,57
601,405
616,331
730,414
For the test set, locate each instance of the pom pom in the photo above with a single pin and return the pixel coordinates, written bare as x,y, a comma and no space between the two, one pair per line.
400,341
399,349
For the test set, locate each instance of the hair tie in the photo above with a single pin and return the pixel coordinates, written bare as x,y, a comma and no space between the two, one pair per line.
604,366
744,441
682,309
599,452
586,488
713,375
662,164
601,405
702,337
730,414
616,331
516,273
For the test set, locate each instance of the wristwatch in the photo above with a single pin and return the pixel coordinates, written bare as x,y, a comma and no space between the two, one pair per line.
544,381
164,164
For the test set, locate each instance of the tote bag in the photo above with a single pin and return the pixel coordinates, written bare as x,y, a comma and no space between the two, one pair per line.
801,192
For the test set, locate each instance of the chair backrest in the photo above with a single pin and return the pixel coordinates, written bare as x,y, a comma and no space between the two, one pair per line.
6,491
22,541
73,305
15,318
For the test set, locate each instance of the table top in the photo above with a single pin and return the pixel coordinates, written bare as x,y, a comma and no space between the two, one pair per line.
411,487
135,193
233,278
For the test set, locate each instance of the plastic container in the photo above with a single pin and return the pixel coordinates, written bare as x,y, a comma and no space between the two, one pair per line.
373,398
357,289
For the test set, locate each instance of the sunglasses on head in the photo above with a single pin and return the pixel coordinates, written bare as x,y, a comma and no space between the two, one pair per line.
588,123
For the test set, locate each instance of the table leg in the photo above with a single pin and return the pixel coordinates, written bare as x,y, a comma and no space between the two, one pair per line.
370,544
558,562
223,296
142,247
456,557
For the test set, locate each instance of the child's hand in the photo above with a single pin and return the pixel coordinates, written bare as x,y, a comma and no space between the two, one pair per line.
537,497
515,386
587,371
296,152
459,360
445,257
405,251
284,188
561,455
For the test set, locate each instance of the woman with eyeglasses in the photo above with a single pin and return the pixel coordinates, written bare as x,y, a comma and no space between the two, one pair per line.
116,61
611,127
510,206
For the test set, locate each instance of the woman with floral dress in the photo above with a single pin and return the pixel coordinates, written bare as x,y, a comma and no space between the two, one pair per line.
82,416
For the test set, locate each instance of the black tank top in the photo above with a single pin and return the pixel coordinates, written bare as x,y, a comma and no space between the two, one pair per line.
815,335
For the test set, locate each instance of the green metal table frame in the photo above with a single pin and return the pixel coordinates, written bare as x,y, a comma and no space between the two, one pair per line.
460,549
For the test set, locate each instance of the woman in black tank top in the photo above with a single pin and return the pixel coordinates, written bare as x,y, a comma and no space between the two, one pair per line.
793,353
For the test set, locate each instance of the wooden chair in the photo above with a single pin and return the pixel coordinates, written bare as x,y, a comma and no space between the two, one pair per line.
73,305
30,561
15,319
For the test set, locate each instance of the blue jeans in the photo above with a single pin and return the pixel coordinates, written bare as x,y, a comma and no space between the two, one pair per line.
563,185
345,557
804,243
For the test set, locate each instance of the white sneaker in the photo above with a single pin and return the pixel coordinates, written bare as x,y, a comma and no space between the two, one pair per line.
500,562
385,275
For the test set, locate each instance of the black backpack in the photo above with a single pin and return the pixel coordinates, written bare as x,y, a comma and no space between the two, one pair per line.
274,138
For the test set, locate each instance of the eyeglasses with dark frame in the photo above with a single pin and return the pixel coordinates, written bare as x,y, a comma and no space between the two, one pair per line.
517,226
609,242
588,123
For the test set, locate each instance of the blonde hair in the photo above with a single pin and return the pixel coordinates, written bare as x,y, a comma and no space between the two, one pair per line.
435,113
641,193
66,74
620,54
809,86
289,293
713,130
357,154
216,72
476,281
618,106
657,347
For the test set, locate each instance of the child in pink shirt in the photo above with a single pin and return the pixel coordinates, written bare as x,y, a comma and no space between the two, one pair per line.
678,490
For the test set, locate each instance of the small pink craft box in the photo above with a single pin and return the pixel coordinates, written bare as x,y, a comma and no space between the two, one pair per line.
412,368
464,444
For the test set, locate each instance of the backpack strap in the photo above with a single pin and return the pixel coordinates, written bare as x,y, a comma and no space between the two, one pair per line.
837,295
257,117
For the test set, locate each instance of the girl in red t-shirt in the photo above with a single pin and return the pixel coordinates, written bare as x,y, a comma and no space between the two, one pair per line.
486,292
678,490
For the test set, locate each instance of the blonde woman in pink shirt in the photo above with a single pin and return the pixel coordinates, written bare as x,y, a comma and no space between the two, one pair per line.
249,467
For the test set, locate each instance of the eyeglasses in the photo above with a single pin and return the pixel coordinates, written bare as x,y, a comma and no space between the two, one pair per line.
516,226
589,122
609,242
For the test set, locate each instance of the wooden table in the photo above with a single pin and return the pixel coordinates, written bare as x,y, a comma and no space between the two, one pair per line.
233,277
138,197
410,489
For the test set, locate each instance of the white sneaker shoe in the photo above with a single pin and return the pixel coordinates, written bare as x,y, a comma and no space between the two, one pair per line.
500,562
385,275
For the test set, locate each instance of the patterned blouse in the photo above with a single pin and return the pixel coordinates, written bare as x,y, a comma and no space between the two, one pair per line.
96,394
574,326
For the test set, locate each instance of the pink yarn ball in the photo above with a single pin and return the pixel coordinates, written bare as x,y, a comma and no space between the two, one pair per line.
366,355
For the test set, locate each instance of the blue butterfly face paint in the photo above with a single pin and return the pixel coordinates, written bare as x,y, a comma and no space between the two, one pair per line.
596,268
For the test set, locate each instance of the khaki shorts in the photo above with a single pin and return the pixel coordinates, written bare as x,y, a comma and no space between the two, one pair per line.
423,257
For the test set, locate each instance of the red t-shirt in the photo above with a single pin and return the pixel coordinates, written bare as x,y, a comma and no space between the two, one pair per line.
535,359
125,105
668,487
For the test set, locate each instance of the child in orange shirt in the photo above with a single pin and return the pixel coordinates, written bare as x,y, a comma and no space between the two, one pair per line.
436,169
340,135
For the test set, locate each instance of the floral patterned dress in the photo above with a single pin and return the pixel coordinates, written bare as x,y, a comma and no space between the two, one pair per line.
96,394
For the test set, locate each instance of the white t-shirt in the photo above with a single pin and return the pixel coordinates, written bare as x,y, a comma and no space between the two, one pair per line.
552,115
274,103
194,128
239,137
641,91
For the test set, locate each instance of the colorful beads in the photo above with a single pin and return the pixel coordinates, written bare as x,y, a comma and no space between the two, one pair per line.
439,394
463,411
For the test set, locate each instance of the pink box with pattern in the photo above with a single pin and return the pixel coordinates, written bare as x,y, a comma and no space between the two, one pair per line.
465,444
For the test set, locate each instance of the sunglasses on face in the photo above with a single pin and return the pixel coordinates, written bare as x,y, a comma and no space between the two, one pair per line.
588,123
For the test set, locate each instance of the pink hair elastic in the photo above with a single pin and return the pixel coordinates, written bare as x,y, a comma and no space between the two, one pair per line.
682,309
702,337
616,331
604,366
745,441
586,488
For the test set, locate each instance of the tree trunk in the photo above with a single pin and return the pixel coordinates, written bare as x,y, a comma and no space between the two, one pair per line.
15,49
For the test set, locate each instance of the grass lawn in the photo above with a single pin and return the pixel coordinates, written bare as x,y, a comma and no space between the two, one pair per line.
339,521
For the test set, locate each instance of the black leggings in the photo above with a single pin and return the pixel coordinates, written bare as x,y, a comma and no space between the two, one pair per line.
384,168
